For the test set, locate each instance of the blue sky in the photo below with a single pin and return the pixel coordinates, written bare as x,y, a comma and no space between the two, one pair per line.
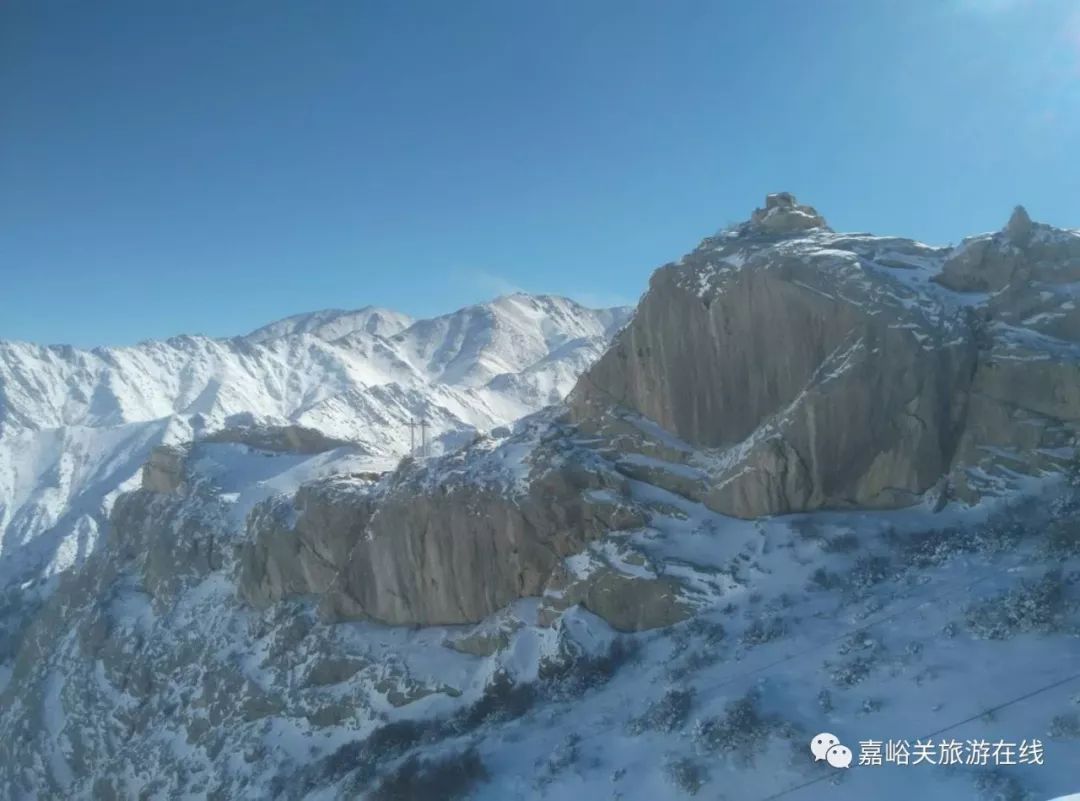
205,167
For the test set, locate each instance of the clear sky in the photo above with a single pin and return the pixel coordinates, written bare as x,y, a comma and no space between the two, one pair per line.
205,166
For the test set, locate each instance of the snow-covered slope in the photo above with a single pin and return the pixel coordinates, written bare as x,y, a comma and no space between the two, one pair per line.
150,678
75,424
335,323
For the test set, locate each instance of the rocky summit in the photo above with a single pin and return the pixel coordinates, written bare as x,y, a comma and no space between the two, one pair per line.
812,480
810,370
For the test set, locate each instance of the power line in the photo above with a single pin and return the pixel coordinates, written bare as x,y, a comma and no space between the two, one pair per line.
1020,698
950,589
999,707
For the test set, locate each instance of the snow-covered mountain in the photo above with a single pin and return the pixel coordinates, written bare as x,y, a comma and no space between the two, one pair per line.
820,482
76,424
335,323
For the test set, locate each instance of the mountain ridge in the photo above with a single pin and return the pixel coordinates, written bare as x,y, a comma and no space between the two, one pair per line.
359,386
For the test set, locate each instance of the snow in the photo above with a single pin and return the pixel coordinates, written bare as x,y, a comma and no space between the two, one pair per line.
76,425
331,324
569,746
56,486
892,652
945,681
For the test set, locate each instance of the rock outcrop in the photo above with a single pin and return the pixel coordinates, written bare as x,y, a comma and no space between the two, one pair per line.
783,215
279,439
815,370
459,556
430,545
297,545
164,470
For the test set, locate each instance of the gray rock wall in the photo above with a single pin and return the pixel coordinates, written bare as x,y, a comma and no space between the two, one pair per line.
820,380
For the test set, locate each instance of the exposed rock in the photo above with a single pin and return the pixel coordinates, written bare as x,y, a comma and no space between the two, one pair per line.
334,670
816,375
1019,259
164,471
280,439
627,603
296,546
401,690
427,545
485,639
783,215
174,538
819,396
460,552
1019,227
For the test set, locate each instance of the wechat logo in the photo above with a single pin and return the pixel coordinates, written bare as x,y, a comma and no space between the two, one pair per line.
828,747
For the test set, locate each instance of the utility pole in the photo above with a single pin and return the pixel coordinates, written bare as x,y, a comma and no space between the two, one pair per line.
423,436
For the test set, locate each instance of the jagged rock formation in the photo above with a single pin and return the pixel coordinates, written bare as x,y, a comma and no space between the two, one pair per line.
784,215
435,544
819,370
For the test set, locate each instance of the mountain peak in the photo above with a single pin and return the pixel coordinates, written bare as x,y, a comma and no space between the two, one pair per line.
1018,229
332,324
783,214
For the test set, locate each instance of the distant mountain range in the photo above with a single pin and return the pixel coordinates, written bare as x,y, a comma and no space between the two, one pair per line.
76,424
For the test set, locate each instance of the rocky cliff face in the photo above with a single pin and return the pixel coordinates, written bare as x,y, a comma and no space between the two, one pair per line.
817,370
448,542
